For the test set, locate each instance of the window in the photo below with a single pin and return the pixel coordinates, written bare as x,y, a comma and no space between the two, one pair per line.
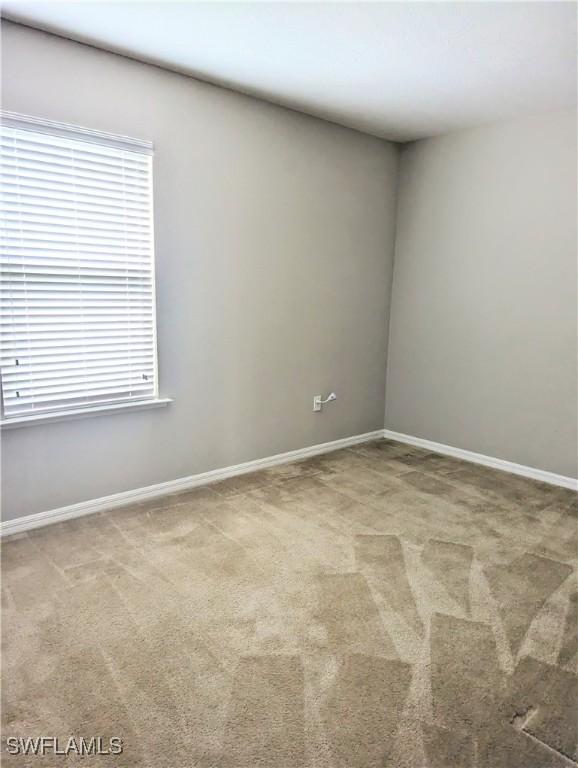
77,269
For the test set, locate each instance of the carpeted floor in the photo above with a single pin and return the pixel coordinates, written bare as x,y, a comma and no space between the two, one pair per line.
377,606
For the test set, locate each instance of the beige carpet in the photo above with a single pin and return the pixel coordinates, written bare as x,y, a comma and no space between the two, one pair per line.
377,606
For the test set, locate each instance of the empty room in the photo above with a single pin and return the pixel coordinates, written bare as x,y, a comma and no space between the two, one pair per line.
288,378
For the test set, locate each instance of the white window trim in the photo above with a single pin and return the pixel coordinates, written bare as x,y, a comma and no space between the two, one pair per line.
18,120
50,417
67,131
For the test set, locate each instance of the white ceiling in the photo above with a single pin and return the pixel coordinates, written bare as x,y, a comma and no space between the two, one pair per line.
400,70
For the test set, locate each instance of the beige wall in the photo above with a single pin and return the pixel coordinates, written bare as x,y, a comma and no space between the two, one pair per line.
274,244
482,351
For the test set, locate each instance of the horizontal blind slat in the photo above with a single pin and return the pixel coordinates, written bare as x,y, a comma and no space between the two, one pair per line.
39,218
78,149
34,387
73,355
47,371
16,173
15,268
13,229
42,158
31,308
16,160
94,212
89,393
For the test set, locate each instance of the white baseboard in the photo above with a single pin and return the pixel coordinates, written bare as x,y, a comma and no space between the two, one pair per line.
486,461
21,524
27,523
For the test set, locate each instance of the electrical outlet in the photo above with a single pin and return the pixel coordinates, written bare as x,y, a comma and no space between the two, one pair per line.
319,402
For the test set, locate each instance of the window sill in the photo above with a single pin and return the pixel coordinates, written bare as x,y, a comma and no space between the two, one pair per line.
83,413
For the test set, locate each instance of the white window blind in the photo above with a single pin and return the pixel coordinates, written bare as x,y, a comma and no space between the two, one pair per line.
77,269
